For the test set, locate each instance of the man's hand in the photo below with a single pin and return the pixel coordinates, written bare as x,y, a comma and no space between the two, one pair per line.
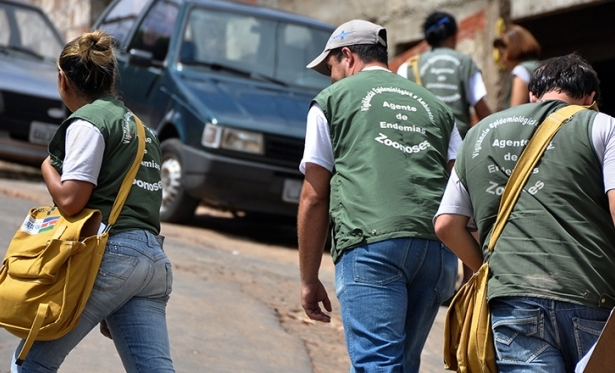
311,296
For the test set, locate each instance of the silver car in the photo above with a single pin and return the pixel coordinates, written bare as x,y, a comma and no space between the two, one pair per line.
30,106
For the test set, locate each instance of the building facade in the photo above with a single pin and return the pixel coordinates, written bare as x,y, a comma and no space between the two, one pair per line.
561,26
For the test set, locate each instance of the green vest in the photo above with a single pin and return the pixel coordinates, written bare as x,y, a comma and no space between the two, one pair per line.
118,128
446,73
559,242
390,139
530,66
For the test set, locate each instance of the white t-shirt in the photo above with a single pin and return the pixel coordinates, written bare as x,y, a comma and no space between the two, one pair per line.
85,147
475,90
457,201
522,73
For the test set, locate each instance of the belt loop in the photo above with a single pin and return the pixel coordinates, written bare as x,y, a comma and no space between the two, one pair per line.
150,238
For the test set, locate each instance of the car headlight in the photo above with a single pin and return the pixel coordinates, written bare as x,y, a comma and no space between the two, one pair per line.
215,136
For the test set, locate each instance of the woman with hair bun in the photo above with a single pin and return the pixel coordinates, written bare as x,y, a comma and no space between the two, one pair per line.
452,76
89,155
519,53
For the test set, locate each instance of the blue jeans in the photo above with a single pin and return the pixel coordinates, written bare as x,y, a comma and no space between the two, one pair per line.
389,294
131,293
541,335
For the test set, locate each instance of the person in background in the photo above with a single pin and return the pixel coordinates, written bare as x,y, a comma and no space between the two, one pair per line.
552,285
90,153
377,154
451,75
518,53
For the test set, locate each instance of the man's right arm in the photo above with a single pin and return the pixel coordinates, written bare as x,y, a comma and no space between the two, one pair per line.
313,216
476,92
451,223
312,229
611,195
453,147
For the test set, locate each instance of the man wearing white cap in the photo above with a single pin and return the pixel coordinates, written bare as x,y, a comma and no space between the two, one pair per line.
376,160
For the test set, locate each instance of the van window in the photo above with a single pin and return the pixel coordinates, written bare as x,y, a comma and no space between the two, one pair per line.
297,46
254,45
121,17
154,33
5,28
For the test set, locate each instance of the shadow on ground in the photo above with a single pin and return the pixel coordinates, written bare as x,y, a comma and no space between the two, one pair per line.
261,228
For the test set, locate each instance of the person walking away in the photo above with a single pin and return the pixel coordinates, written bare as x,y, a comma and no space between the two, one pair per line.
518,53
552,284
452,76
376,160
88,157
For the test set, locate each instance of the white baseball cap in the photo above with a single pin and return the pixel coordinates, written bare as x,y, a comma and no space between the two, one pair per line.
353,32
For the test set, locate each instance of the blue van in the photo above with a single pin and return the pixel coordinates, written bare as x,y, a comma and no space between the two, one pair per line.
225,87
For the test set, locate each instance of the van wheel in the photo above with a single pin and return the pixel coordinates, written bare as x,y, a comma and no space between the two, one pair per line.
177,206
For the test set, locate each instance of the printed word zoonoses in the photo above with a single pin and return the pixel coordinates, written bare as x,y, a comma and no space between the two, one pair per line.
384,139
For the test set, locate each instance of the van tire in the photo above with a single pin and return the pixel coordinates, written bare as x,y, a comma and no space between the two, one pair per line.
177,206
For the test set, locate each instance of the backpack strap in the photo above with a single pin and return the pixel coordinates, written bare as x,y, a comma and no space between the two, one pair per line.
130,176
41,314
413,62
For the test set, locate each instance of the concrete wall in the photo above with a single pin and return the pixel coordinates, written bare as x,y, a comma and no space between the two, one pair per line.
520,9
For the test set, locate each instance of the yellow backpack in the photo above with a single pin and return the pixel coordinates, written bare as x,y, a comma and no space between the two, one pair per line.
51,265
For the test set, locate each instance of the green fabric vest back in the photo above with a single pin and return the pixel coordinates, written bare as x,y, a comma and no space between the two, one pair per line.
559,242
446,73
390,139
118,128
530,66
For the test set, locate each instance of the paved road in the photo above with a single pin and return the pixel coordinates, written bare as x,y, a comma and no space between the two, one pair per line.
215,325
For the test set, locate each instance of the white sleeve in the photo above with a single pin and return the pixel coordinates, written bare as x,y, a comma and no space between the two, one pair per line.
454,144
456,199
476,88
522,73
603,137
403,70
318,148
85,147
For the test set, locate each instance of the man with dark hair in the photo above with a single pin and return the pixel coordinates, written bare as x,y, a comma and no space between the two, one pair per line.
552,283
377,154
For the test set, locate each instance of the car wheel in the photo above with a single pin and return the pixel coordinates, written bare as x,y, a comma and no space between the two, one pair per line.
177,206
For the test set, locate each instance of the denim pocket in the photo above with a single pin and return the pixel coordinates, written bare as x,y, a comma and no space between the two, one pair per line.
518,334
374,266
586,333
114,270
